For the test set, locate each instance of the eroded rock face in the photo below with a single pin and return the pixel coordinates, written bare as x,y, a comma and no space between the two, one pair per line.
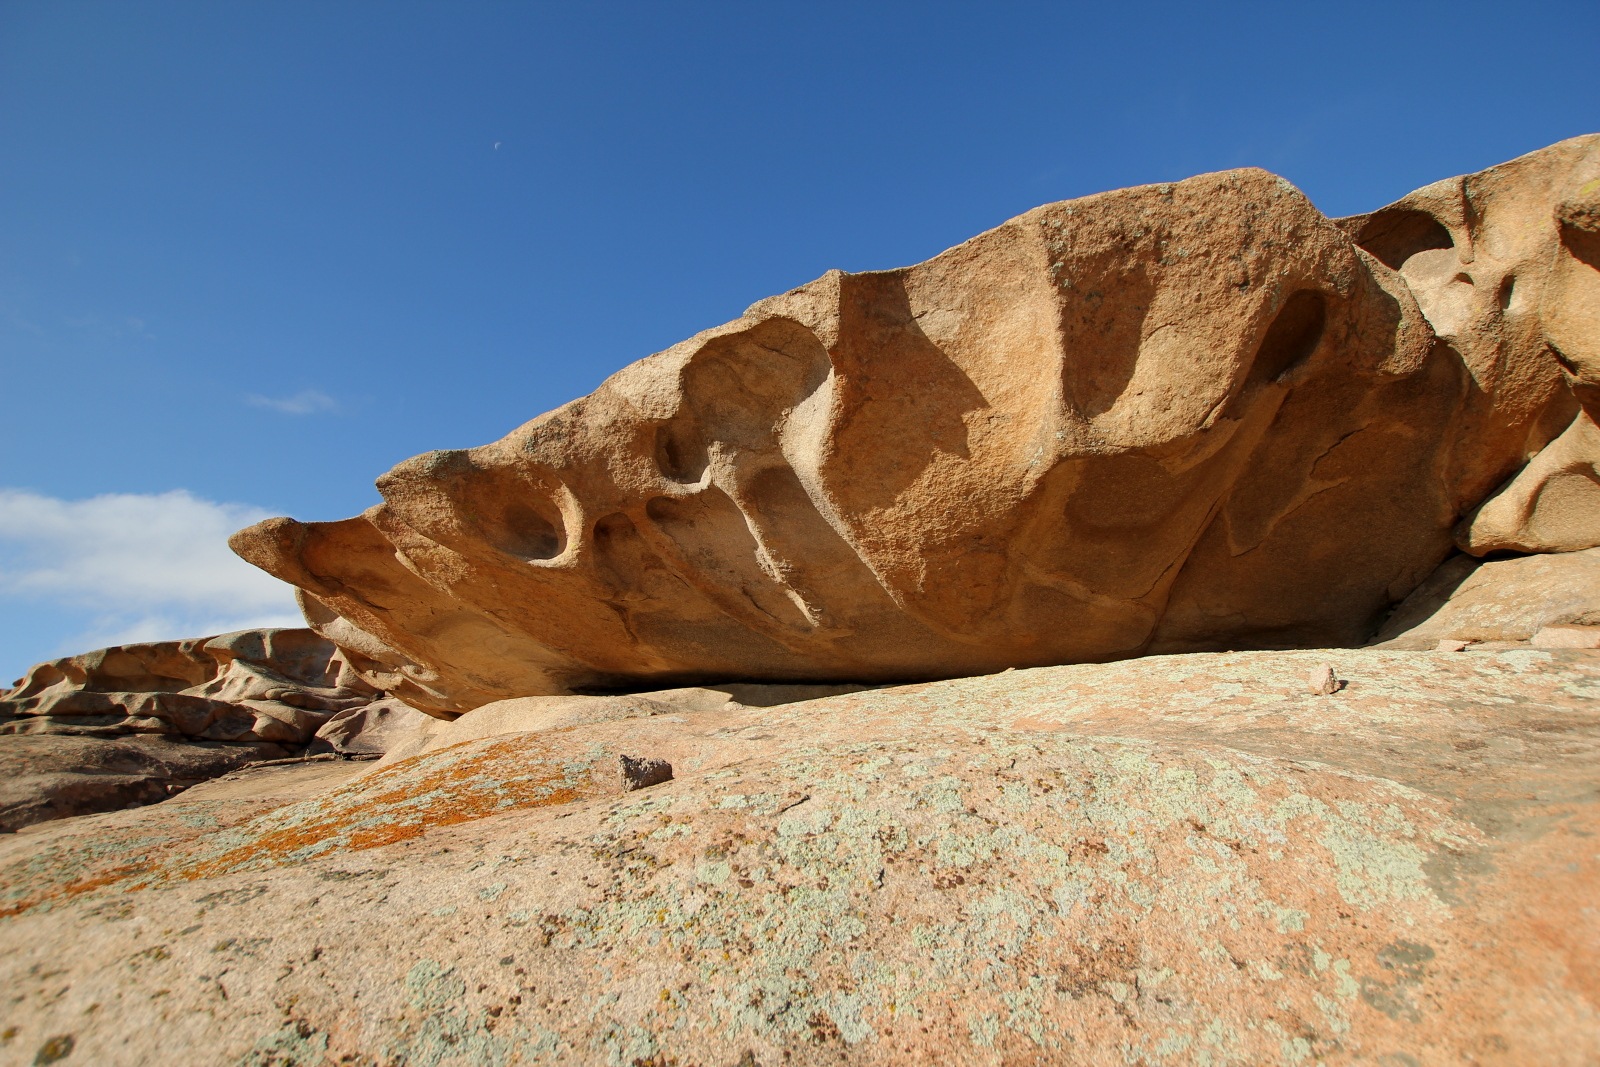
277,685
1506,263
1172,860
1177,417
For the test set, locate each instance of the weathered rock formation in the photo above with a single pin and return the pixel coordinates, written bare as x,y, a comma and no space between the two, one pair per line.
46,777
1178,417
1172,860
253,685
134,724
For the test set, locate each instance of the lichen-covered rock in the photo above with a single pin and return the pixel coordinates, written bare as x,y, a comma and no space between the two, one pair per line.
275,685
1188,416
1173,860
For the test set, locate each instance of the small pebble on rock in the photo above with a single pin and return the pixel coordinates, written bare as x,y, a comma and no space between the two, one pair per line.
1324,682
643,772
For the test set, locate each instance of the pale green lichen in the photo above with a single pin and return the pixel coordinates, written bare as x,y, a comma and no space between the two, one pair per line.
296,1045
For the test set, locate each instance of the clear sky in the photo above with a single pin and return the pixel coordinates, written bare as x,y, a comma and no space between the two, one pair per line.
253,254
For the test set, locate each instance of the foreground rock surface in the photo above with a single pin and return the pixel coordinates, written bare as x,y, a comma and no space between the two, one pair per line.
1173,860
1189,416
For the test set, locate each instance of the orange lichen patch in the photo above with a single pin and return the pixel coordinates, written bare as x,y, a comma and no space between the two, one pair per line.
75,889
469,782
461,784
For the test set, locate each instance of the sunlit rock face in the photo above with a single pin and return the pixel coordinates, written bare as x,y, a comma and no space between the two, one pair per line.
1177,417
277,685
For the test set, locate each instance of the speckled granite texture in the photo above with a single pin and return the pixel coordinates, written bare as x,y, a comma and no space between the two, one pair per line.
1177,860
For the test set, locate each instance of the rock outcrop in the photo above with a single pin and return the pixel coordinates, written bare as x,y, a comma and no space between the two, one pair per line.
1179,417
369,730
253,685
135,724
1172,860
1507,262
46,777
1500,602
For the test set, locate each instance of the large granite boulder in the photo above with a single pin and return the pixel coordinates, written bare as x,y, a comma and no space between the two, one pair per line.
1179,417
1171,860
1504,263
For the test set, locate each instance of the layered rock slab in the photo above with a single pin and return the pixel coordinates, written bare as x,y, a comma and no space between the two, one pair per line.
1502,601
1171,860
45,777
1189,416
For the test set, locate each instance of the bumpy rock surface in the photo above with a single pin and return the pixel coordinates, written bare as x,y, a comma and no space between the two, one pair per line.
1177,417
1175,860
254,685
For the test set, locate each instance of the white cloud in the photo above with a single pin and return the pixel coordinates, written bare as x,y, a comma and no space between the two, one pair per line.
131,567
305,402
128,629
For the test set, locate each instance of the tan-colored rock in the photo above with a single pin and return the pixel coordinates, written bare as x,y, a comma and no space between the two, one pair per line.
45,777
1322,681
1188,416
1499,601
1450,644
1171,860
254,685
1567,637
1503,262
1552,505
272,783
540,714
370,729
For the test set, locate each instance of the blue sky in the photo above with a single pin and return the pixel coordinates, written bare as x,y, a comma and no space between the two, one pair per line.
253,254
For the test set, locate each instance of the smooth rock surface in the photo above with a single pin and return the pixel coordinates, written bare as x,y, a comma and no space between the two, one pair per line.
371,729
1186,416
544,713
280,782
1553,505
1566,637
44,777
1502,600
1174,860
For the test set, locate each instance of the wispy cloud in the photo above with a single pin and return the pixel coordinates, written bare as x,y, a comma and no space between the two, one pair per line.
110,328
305,402
135,567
